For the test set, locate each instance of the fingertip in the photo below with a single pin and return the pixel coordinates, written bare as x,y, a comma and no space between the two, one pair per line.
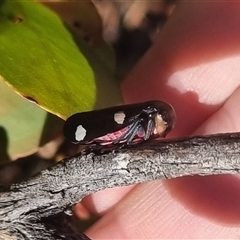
193,65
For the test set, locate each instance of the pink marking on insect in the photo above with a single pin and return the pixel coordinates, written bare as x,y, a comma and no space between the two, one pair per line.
111,137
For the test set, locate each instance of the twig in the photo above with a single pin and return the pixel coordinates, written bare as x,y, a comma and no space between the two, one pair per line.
25,208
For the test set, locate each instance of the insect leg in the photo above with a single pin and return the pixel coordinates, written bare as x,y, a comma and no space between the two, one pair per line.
133,134
150,127
128,134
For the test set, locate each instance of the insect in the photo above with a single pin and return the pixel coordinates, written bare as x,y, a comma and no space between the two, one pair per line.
126,124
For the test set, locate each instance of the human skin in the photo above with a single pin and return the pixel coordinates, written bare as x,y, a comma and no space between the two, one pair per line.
194,65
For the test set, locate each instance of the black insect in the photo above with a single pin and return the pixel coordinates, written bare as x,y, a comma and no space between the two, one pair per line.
128,124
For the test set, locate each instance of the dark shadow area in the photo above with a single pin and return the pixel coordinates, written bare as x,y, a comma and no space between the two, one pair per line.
83,224
61,225
4,158
52,128
2,2
129,48
22,169
213,197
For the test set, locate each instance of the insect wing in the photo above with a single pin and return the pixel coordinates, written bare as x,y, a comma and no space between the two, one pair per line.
86,126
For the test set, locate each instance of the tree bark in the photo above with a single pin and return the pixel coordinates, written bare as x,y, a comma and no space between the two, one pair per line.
36,209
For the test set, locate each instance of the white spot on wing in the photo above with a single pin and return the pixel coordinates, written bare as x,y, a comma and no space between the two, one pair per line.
119,117
80,133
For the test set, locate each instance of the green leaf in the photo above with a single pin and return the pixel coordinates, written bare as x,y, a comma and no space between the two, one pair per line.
23,125
45,62
81,16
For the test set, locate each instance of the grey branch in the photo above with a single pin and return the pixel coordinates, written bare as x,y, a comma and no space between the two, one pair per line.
28,209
